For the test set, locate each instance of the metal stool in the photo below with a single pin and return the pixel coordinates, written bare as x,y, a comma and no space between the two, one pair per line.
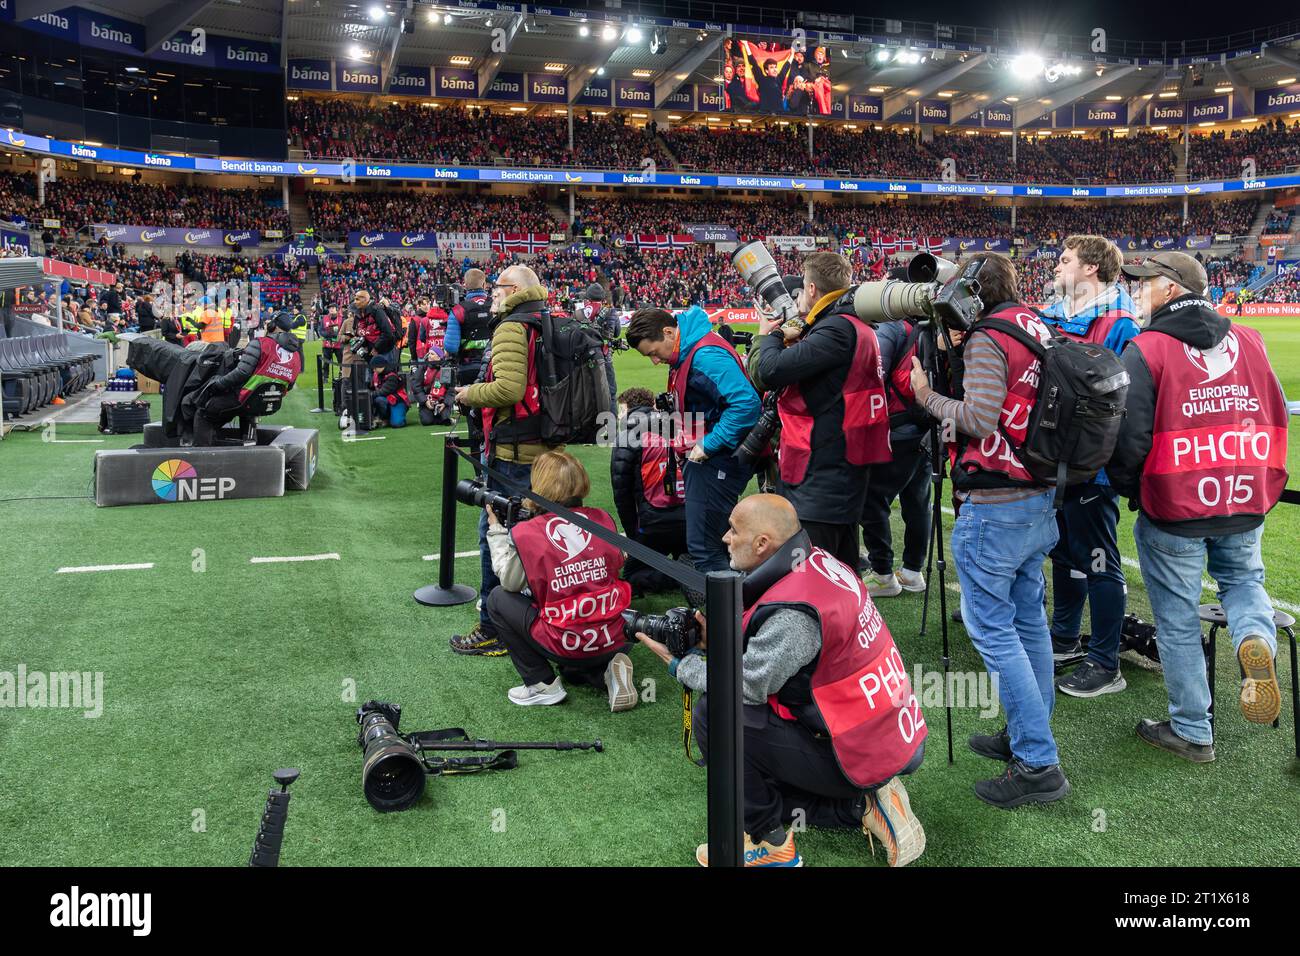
1213,615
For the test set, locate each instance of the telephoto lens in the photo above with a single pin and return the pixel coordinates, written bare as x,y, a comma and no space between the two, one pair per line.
757,267
890,300
925,267
392,775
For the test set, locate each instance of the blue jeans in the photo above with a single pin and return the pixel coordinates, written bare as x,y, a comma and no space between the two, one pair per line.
1086,568
522,475
999,551
1171,570
712,489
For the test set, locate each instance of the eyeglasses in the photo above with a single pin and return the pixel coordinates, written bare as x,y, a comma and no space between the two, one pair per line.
504,285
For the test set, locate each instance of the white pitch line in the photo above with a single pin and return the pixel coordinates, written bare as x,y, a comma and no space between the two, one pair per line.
1206,584
291,559
76,441
349,441
106,567
459,554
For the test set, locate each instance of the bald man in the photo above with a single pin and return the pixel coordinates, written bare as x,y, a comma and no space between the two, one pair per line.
510,415
830,718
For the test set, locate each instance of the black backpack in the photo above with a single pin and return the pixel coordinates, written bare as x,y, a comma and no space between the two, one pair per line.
573,389
1082,390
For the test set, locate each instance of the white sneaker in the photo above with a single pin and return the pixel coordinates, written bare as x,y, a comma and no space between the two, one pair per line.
618,681
911,580
879,587
543,694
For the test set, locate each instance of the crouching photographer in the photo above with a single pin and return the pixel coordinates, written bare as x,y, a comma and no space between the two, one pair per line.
811,755
1006,524
573,619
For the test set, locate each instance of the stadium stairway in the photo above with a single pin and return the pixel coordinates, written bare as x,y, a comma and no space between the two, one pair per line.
1262,211
299,216
310,287
1180,166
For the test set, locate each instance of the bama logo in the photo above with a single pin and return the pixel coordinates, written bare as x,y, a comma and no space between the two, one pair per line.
244,55
835,572
567,537
176,480
1216,362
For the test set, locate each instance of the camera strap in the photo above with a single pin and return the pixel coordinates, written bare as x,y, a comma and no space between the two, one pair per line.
688,577
688,703
443,766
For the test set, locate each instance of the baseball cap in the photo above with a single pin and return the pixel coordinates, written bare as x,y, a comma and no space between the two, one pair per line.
595,293
1178,266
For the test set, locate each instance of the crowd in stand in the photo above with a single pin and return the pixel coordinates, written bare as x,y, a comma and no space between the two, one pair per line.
334,214
1137,158
348,129
1285,288
1227,275
909,219
1273,145
1051,224
78,202
1279,221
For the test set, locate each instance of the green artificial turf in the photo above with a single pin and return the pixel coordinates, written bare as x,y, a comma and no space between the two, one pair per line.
214,678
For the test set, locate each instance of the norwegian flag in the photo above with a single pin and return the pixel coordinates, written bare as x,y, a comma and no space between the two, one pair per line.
527,243
680,241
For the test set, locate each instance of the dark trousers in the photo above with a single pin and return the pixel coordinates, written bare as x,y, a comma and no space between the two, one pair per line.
907,478
670,541
522,475
712,489
788,769
214,416
513,616
841,540
1086,567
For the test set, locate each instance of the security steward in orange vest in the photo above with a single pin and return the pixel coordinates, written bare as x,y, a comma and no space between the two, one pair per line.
830,720
211,325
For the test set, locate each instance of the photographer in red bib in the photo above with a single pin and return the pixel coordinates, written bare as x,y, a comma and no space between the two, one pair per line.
830,720
1202,456
1003,532
571,616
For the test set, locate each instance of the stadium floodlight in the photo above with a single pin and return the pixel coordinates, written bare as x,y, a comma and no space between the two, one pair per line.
634,35
584,31
882,55
435,17
377,12
608,33
356,52
446,19
1027,65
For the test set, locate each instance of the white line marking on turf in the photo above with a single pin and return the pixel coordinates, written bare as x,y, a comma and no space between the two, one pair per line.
366,438
458,554
295,558
1206,584
106,567
76,441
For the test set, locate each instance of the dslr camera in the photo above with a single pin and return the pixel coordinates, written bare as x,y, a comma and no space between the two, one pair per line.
936,289
475,492
676,628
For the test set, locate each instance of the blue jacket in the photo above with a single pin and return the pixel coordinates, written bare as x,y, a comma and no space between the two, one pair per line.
716,388
451,339
1114,299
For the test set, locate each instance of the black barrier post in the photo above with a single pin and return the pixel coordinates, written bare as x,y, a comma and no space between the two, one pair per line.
320,383
354,382
446,593
726,797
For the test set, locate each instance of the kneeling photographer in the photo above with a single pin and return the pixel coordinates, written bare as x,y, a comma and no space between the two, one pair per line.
823,759
831,404
573,618
1006,524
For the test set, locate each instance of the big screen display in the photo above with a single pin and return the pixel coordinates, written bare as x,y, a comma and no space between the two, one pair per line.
763,76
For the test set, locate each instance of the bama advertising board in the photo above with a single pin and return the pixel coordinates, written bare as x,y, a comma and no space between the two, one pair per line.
334,169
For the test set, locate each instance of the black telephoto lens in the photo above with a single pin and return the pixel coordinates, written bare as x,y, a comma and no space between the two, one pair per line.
392,775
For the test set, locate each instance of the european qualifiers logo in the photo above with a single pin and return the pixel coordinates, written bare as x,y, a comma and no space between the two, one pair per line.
177,480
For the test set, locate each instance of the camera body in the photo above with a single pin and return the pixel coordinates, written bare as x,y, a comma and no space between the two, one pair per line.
475,492
743,338
755,444
676,628
666,402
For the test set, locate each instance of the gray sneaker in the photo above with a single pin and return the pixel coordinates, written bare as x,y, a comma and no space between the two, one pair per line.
1090,679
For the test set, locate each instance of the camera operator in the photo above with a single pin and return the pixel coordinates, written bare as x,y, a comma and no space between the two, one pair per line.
511,407
832,405
809,624
1202,455
717,404
573,618
274,357
1086,567
1005,527
374,325
906,476
605,320
648,495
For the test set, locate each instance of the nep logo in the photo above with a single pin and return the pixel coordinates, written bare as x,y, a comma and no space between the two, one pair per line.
176,480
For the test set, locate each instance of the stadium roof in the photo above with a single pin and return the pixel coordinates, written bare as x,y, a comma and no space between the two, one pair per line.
370,32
